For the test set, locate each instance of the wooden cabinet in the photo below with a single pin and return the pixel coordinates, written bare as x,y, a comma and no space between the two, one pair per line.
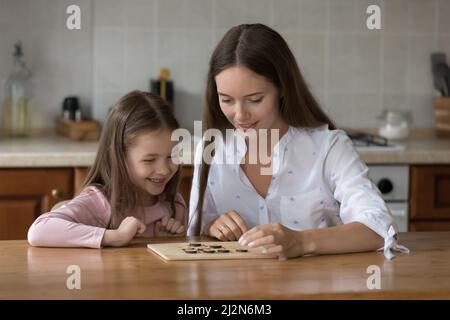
429,226
186,183
80,175
27,193
430,198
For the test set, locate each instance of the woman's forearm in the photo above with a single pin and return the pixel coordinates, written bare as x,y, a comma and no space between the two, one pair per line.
346,238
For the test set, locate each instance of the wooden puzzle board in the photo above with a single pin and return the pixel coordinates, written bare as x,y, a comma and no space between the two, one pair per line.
206,251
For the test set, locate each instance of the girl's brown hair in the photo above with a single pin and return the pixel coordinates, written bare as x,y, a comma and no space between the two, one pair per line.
136,113
262,50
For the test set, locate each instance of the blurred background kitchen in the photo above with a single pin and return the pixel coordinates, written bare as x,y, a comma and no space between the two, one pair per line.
355,73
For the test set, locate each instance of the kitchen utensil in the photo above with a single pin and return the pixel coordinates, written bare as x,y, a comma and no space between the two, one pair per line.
441,73
438,57
446,71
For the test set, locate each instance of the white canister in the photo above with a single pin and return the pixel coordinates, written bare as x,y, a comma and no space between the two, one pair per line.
395,125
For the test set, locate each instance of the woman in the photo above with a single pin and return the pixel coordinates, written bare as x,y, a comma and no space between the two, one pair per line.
316,198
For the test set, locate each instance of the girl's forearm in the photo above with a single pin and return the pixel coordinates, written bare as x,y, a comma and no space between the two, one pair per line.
112,238
346,238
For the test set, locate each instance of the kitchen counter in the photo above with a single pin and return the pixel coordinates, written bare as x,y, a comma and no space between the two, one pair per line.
47,150
50,150
421,148
134,273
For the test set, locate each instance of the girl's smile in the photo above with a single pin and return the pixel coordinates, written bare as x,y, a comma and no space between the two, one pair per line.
160,183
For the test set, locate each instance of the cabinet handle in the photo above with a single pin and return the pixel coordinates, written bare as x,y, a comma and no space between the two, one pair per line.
56,193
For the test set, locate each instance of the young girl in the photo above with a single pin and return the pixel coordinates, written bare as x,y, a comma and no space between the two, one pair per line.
131,187
319,200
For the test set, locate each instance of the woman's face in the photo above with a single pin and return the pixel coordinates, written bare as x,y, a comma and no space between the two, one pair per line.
248,100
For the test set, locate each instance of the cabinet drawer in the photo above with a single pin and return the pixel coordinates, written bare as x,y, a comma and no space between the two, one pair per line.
27,193
430,192
430,225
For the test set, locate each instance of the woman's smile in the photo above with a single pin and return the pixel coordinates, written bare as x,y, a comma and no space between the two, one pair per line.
246,126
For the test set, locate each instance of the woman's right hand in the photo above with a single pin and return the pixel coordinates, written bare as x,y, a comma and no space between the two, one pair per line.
127,230
228,227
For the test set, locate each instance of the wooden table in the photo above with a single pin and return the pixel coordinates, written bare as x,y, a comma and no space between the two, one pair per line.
136,273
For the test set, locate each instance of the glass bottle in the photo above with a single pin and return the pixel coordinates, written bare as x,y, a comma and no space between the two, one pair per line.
16,104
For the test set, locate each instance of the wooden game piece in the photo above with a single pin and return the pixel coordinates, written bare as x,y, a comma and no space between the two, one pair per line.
209,251
241,250
195,244
223,250
190,251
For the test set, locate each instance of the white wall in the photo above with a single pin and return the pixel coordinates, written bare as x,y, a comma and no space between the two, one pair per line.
354,72
60,60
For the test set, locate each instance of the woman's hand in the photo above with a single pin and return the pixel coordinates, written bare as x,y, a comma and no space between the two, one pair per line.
128,229
276,239
169,227
228,227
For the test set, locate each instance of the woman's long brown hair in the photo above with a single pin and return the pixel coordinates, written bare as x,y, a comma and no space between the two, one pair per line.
135,113
262,50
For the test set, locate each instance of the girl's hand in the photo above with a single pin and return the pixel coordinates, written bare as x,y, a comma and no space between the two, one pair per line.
228,227
128,229
169,227
276,239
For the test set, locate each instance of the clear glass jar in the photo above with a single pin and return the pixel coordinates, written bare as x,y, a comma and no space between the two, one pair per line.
395,124
16,103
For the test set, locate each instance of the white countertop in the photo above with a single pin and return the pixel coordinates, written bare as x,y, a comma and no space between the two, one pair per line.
46,151
50,150
422,147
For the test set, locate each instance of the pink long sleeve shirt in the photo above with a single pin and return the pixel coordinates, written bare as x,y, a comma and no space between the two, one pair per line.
82,222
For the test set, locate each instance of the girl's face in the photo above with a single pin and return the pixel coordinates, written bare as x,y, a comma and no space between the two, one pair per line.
149,162
248,100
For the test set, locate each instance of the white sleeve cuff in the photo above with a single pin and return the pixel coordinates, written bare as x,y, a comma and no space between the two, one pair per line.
391,245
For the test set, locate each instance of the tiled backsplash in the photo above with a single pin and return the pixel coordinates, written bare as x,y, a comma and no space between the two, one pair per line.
354,72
